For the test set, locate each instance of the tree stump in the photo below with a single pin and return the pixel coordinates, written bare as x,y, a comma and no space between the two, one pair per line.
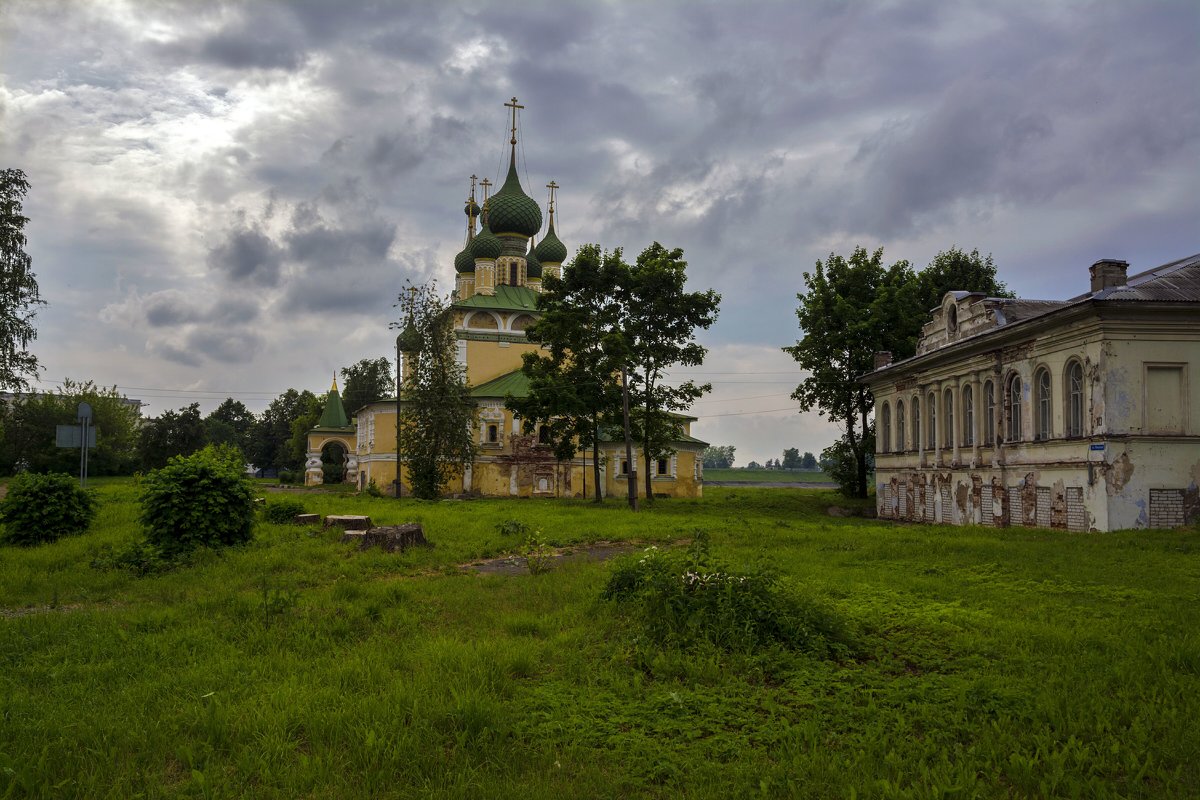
390,539
348,522
308,519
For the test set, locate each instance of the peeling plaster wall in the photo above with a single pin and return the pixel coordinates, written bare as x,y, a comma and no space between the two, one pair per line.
1122,473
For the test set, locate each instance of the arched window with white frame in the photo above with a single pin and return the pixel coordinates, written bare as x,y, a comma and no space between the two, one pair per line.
885,429
1074,399
1012,408
931,422
968,403
899,426
916,422
989,413
1043,419
948,421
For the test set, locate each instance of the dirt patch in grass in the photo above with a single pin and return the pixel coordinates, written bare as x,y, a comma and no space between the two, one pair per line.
518,565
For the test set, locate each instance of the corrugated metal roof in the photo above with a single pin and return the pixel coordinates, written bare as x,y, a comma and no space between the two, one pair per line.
1177,282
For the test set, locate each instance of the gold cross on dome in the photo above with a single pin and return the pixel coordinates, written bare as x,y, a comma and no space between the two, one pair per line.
514,105
553,187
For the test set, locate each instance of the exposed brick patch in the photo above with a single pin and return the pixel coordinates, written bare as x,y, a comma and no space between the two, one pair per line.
1076,513
1166,508
1014,504
1043,506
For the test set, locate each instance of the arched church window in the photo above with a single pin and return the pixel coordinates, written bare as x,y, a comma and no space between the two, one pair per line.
968,401
900,426
885,429
1042,382
512,274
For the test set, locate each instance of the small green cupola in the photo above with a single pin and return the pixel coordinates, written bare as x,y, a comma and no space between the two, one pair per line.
486,246
551,250
533,267
334,415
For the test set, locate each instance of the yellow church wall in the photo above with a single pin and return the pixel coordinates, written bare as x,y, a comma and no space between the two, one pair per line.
490,359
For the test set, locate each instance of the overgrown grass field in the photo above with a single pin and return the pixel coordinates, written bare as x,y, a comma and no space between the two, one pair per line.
739,475
984,663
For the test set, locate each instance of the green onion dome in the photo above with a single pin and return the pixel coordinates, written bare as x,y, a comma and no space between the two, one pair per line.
533,267
409,341
550,250
510,210
486,245
471,209
464,261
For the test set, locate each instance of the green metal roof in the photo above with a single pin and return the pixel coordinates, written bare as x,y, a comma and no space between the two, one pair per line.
334,415
506,298
513,383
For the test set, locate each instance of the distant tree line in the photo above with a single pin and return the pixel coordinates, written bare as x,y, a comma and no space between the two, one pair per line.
276,439
721,457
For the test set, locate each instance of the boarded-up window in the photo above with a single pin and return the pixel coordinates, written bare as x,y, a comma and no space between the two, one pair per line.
1164,399
1166,508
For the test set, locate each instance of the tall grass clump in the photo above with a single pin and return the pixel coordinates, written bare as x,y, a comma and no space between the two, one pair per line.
44,508
201,500
282,511
688,598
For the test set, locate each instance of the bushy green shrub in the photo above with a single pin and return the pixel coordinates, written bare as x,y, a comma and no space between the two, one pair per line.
687,598
43,508
201,500
282,511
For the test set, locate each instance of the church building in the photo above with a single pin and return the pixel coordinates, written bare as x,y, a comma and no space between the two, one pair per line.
498,278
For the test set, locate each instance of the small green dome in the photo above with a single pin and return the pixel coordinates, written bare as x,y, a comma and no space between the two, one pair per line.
486,245
464,261
533,267
550,250
471,209
510,210
409,341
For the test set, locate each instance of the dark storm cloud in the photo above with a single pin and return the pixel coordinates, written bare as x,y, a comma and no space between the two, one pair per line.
323,246
172,308
224,345
247,256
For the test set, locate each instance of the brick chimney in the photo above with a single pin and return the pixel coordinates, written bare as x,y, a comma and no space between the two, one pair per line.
1108,272
882,358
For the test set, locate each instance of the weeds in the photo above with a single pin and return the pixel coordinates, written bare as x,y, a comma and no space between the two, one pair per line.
685,599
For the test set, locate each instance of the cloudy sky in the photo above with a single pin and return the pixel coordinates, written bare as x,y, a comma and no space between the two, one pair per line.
227,197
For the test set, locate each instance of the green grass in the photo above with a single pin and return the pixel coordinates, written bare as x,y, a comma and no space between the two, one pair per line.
767,475
1012,663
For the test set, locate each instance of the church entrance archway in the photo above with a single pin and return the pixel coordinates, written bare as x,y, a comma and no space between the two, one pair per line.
333,462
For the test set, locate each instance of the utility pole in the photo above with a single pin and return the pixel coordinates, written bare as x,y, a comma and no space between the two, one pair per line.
632,481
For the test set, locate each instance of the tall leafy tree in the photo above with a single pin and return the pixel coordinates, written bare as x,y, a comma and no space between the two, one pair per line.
808,461
660,322
571,389
230,423
18,287
365,382
27,430
851,310
791,458
435,431
271,435
718,456
172,433
954,269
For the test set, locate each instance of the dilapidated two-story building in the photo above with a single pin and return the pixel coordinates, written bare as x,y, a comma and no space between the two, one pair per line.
1077,414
